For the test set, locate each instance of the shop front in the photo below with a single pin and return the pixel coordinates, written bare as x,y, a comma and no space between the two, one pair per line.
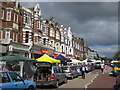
39,51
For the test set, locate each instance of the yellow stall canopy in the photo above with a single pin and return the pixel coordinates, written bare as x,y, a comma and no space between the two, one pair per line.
46,58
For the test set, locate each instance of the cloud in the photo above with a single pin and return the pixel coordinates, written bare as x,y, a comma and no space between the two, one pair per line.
106,51
96,22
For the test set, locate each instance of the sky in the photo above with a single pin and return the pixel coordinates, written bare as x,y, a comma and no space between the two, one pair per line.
96,22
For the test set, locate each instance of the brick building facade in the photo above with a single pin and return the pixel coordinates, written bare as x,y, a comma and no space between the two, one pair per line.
25,28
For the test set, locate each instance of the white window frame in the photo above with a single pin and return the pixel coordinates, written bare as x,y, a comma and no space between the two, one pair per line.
8,16
14,17
7,37
51,32
16,37
1,34
13,36
17,18
39,25
57,35
2,13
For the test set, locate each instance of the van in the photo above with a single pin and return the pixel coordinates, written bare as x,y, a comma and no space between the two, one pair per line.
47,74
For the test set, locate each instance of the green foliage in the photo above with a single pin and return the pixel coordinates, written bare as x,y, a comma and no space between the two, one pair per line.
117,55
84,57
96,58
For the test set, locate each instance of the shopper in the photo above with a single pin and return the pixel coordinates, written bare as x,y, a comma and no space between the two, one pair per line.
83,70
102,67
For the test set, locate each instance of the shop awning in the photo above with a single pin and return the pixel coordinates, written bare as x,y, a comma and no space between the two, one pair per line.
62,58
15,57
46,58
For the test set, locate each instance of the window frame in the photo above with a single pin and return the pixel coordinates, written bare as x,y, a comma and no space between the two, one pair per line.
2,13
13,36
1,34
27,38
14,16
8,33
8,17
17,18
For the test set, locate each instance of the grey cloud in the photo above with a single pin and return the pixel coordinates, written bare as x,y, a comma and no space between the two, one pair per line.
96,22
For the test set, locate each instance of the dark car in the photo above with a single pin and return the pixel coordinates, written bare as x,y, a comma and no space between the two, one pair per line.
116,69
98,65
47,74
117,86
12,81
70,71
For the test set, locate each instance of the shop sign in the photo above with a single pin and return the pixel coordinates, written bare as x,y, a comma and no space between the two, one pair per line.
55,55
44,51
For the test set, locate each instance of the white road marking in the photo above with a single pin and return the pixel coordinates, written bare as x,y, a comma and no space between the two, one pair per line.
91,80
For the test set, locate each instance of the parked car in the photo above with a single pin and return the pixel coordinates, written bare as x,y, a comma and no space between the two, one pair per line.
116,69
78,67
70,71
91,66
47,74
98,65
117,86
11,80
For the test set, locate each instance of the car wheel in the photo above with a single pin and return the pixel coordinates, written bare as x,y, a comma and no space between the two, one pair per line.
57,84
31,88
65,80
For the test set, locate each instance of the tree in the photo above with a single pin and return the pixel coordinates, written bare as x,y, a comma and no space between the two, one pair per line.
96,58
117,55
84,57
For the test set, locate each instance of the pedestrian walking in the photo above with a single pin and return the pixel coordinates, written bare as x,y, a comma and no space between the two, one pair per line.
102,67
105,67
83,70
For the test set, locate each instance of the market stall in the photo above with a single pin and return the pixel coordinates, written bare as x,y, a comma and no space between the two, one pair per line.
63,59
20,64
46,58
